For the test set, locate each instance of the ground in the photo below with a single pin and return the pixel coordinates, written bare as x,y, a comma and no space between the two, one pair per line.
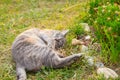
19,15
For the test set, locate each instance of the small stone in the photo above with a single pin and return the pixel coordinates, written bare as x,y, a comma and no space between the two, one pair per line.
85,27
87,37
99,64
107,72
90,60
96,46
84,48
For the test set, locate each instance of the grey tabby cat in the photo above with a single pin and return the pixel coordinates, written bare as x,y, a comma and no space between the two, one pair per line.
35,48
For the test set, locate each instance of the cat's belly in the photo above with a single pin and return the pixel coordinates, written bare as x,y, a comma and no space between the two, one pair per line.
33,67
32,64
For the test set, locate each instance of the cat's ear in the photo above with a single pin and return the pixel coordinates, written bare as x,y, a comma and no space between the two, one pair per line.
64,32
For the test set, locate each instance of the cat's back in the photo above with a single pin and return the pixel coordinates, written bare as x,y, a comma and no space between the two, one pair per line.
31,38
30,33
26,39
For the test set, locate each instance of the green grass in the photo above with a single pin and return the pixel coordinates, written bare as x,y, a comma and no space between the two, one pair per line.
19,15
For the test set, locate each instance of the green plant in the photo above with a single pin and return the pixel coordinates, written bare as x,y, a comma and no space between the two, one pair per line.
77,29
105,17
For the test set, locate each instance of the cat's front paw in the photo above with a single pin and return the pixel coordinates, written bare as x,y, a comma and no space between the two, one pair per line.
81,54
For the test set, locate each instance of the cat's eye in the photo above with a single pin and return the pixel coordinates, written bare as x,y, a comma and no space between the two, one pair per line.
57,40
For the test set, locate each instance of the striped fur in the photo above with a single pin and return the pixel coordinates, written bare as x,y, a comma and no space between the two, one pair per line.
35,48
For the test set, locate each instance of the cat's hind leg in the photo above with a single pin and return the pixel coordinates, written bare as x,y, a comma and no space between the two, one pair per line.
61,62
21,73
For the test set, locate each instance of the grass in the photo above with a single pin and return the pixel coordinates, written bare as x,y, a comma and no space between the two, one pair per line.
19,15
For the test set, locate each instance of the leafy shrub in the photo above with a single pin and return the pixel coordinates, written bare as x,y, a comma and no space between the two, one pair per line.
77,29
104,15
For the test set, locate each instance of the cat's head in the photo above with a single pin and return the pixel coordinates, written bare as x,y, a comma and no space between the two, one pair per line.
59,38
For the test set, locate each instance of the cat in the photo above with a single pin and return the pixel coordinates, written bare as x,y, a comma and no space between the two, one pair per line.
35,48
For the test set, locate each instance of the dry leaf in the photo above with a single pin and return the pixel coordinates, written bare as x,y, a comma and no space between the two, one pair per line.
77,42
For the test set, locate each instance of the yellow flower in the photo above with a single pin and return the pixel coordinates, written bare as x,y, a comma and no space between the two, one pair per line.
109,29
104,6
109,10
103,10
116,12
108,18
108,3
96,9
95,21
118,19
115,4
